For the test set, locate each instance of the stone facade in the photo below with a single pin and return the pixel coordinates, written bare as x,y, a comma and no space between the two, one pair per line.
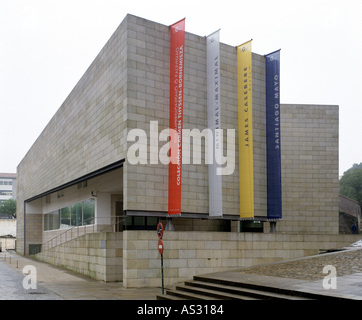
96,255
127,87
191,253
148,95
310,168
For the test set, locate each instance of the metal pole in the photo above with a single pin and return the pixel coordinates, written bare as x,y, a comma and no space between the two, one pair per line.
169,225
273,226
162,273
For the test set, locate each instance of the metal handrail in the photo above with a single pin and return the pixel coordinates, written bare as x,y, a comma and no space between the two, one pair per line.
50,243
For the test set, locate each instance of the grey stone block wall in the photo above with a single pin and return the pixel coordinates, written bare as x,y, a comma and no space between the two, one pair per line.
88,131
148,96
127,86
310,168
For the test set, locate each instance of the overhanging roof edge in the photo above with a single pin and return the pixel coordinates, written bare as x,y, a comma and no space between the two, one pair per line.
93,174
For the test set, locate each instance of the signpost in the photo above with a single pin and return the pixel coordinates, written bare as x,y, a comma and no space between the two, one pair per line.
160,230
160,248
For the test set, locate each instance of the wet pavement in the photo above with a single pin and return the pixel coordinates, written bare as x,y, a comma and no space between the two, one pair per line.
304,274
11,286
55,283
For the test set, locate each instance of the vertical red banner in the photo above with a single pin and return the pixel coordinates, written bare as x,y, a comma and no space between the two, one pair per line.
176,115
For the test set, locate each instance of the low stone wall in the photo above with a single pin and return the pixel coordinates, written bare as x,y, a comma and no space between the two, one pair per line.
7,243
190,253
96,255
8,227
132,256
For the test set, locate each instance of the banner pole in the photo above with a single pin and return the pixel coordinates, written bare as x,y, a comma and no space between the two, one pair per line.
273,226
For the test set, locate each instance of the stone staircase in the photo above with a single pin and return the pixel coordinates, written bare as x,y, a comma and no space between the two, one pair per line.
209,288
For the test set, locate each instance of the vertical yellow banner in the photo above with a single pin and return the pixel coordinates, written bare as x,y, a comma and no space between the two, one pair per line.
245,125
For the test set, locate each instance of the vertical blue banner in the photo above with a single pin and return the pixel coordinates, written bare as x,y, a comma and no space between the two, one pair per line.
273,135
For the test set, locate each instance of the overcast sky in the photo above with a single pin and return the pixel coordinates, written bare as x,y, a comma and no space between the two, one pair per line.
47,45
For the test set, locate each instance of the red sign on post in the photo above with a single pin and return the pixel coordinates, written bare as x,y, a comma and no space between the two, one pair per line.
160,230
160,246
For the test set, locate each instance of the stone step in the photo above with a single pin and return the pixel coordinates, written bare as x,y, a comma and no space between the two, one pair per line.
180,294
169,296
243,292
282,292
213,293
215,287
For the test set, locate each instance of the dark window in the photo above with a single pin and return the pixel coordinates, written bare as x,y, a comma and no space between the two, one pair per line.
251,226
140,223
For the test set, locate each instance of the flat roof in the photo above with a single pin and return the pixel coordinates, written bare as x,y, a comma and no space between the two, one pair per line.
8,175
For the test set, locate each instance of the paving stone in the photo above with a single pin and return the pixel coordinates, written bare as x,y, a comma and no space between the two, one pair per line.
11,286
346,263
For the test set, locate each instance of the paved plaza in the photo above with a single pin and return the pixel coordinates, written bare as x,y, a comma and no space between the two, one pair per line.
305,274
59,284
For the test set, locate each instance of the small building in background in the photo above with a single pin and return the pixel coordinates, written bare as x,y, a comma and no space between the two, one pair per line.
7,186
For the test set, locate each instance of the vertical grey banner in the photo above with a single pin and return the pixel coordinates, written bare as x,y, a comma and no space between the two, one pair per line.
214,124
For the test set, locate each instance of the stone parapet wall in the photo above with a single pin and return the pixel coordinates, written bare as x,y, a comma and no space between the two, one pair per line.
350,206
133,257
191,253
97,255
7,243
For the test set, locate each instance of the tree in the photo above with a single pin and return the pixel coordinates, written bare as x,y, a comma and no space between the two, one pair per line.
8,207
350,184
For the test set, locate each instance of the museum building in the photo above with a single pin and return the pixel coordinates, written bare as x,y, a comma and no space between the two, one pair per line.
92,189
